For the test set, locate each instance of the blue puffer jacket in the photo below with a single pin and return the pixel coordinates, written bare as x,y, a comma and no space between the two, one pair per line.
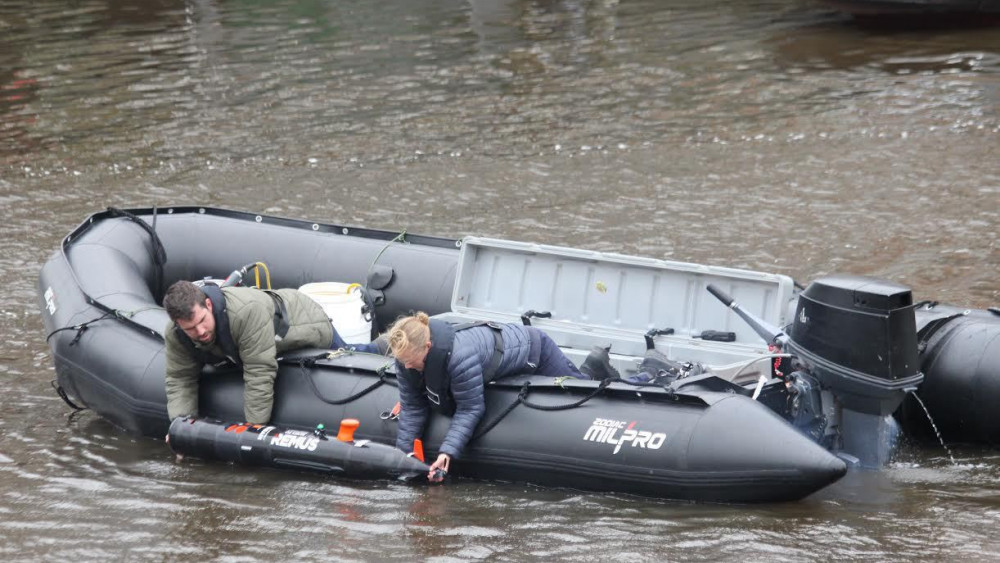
470,355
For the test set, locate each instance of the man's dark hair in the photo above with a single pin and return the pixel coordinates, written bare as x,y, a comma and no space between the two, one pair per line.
180,299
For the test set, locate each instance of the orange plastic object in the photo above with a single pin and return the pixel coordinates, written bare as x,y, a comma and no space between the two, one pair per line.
418,449
347,428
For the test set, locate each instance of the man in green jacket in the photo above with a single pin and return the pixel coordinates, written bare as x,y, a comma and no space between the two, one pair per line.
246,326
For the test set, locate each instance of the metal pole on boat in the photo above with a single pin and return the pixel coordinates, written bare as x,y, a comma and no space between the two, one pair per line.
770,334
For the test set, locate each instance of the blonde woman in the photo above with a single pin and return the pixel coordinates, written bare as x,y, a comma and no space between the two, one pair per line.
445,367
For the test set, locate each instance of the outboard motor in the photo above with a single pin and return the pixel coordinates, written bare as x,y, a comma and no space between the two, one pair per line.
857,336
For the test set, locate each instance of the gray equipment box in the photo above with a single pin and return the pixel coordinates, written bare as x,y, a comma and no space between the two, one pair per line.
600,298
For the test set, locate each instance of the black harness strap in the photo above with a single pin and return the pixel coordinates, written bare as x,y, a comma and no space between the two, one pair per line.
535,350
223,335
436,381
281,322
491,370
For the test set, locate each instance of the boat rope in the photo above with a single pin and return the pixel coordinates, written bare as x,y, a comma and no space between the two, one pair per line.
306,364
490,425
62,394
522,399
401,237
366,295
603,385
111,314
79,328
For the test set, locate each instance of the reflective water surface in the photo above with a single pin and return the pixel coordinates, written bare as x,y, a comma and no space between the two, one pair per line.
774,135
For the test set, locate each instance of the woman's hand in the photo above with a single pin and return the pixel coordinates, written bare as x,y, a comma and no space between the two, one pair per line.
443,462
180,457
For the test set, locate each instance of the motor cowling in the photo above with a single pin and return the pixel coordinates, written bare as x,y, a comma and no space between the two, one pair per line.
858,337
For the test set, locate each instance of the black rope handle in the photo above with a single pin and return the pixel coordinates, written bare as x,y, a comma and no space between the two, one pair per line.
654,332
527,315
520,399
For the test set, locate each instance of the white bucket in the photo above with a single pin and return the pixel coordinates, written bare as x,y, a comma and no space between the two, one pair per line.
342,302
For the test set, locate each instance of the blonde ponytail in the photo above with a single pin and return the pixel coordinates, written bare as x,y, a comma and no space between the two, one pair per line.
409,333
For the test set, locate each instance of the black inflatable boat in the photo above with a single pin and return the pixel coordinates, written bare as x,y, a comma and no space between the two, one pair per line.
960,357
757,414
701,441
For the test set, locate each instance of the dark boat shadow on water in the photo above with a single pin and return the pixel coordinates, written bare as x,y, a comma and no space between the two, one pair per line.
841,44
112,450
116,450
918,14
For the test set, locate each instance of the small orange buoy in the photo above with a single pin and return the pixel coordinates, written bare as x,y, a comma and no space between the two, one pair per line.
347,428
418,449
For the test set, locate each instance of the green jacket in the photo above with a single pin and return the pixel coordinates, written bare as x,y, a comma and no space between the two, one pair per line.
251,321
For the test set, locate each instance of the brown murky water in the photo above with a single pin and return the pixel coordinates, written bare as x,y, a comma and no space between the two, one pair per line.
766,134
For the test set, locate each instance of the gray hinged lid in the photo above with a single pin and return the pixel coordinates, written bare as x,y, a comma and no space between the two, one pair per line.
608,291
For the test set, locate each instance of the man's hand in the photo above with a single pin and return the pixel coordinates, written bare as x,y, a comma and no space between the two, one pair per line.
439,468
